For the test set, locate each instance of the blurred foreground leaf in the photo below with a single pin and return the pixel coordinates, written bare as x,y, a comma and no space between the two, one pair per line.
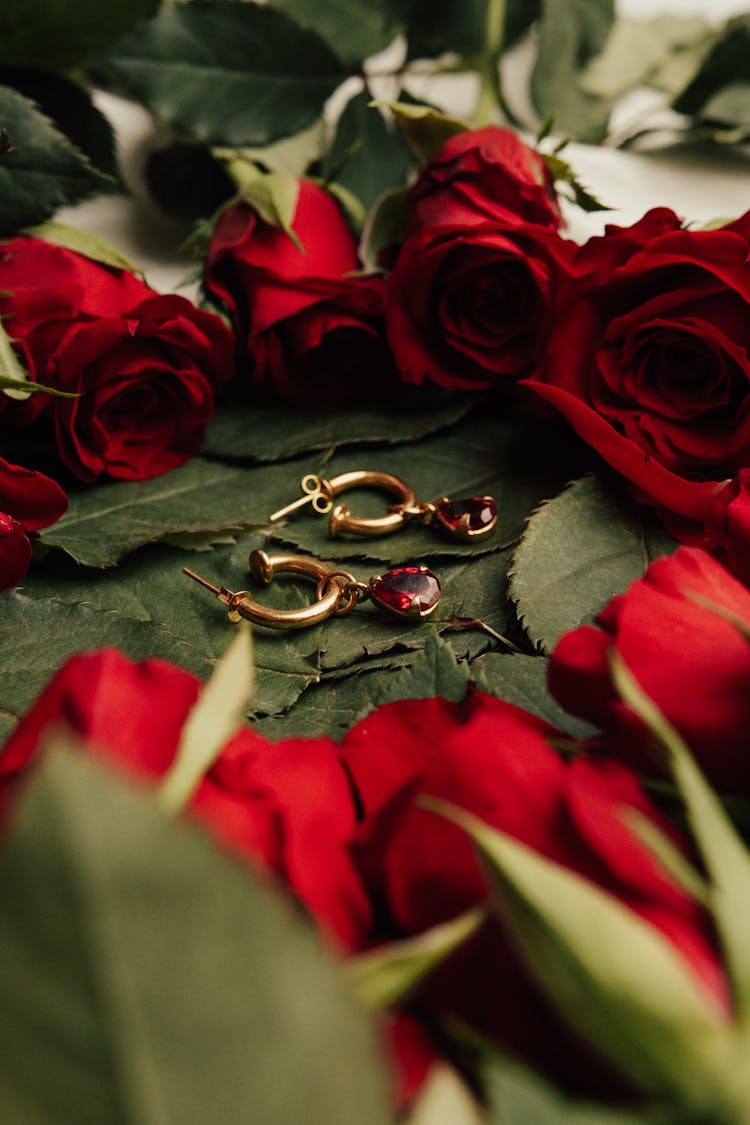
145,976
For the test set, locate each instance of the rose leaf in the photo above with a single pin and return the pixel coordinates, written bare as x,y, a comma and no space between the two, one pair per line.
579,550
271,433
569,34
228,74
724,64
352,29
522,680
425,128
63,34
366,156
43,171
114,916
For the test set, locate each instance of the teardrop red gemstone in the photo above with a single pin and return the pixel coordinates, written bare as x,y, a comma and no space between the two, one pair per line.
407,591
481,510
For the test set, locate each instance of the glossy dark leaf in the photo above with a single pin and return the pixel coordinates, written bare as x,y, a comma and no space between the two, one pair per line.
44,171
61,34
353,29
366,156
229,73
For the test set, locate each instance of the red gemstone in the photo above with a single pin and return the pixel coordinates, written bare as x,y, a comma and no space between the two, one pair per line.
471,517
411,591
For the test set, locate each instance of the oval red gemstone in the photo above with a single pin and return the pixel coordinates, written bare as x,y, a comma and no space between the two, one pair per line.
480,510
407,591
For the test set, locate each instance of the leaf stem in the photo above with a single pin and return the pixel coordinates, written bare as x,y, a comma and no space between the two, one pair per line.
490,97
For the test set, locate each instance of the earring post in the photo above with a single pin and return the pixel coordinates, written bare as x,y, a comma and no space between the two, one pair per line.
307,499
203,582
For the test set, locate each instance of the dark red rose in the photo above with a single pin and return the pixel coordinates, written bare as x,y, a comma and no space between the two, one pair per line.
145,366
650,357
483,174
287,808
472,305
312,332
692,662
28,501
495,760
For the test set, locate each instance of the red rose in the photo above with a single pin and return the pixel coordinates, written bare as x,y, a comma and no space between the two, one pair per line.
470,304
285,807
650,357
28,501
693,663
312,332
145,366
483,174
494,760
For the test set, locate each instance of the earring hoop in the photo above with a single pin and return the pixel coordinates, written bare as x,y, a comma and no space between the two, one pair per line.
470,520
408,591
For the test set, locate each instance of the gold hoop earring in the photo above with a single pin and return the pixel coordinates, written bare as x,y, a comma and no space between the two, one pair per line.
471,519
406,591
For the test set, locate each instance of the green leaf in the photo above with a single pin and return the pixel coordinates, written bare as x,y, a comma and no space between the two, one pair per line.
615,978
14,378
271,433
353,29
638,49
676,865
730,106
217,715
522,680
70,108
436,27
563,174
578,551
724,854
106,521
425,129
272,194
64,33
146,976
290,154
570,33
518,1096
83,242
384,227
724,64
44,171
227,73
434,672
23,389
389,973
366,156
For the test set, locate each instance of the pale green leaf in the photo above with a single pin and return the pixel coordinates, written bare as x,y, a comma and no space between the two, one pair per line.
637,49
293,155
83,242
724,854
616,979
445,1099
425,129
386,975
272,194
147,977
676,865
214,718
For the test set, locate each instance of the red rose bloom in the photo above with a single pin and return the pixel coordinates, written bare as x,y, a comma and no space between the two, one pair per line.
650,357
471,304
311,332
287,808
693,663
483,174
28,501
494,760
145,367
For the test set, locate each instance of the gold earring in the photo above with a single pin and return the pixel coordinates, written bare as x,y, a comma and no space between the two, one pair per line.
407,591
471,520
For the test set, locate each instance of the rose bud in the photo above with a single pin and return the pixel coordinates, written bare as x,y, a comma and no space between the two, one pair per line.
309,331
